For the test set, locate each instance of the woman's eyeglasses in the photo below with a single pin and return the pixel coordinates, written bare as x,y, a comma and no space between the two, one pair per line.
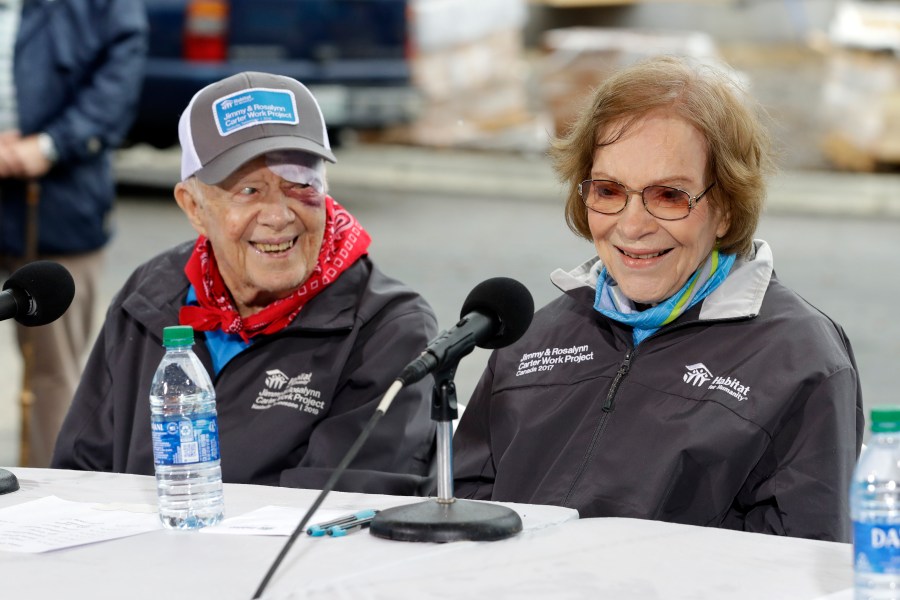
663,202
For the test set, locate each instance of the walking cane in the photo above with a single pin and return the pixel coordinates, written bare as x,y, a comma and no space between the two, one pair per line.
27,396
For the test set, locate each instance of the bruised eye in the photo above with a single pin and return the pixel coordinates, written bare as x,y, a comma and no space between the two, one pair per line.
306,194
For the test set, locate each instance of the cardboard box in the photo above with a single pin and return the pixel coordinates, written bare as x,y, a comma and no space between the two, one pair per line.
867,25
448,73
466,120
473,91
441,24
861,90
578,59
861,109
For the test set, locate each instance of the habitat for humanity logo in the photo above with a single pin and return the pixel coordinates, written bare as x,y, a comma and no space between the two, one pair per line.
697,375
291,392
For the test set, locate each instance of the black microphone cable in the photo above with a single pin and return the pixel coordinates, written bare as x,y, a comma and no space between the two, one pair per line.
386,401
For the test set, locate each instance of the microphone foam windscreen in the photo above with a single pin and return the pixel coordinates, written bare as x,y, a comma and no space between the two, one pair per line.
50,286
507,300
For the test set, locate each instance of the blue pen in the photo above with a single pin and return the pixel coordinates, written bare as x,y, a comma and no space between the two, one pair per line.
345,528
320,529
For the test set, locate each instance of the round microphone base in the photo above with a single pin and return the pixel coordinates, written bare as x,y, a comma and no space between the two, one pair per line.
433,521
8,482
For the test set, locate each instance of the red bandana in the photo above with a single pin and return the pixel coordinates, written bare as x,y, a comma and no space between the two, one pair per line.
344,242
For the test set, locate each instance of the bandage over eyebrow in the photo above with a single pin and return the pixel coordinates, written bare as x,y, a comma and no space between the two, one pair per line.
298,167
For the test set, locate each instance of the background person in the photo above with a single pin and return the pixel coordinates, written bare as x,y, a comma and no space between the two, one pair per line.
676,378
301,332
70,76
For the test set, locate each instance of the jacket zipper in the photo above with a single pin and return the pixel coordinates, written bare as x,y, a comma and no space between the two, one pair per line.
607,408
620,374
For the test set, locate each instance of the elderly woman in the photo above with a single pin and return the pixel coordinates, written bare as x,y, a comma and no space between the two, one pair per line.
676,378
301,332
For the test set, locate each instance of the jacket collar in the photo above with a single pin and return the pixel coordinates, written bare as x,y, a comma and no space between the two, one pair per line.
740,295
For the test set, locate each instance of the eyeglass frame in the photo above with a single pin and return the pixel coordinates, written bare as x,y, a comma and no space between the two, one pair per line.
692,200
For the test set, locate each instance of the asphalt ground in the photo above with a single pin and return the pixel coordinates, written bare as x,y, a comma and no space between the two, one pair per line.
413,199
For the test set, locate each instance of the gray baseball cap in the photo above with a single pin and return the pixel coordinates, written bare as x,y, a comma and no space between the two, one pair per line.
234,120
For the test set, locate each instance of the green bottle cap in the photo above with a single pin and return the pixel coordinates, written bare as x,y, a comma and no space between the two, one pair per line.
178,335
885,419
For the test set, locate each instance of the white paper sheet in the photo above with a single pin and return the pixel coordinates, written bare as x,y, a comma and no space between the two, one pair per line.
272,520
52,523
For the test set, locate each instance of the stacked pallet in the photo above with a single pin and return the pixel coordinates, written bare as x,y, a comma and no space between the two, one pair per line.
861,91
470,68
577,59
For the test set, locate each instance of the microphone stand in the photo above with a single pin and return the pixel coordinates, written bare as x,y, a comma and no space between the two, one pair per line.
445,518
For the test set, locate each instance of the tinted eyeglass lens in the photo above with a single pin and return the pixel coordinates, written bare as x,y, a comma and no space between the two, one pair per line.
666,203
605,196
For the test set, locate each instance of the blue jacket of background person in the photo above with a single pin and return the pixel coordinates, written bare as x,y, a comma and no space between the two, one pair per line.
78,72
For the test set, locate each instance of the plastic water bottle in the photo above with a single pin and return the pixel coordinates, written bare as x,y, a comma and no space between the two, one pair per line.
185,436
875,510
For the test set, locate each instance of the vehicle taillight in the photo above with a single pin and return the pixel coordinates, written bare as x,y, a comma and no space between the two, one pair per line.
206,30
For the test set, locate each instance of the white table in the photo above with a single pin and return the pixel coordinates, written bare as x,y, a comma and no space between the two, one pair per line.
588,558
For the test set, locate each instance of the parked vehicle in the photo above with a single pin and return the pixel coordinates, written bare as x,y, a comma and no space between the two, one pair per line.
354,55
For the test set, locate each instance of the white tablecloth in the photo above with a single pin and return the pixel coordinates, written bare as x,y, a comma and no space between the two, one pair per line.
587,558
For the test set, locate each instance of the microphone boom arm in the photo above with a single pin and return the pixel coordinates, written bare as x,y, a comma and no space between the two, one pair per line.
450,346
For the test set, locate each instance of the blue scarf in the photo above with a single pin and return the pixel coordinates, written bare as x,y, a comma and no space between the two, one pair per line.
610,300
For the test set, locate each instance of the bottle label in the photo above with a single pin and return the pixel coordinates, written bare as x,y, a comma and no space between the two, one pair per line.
179,440
876,548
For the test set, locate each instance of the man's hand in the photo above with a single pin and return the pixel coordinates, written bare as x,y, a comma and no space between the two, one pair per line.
32,162
8,157
21,157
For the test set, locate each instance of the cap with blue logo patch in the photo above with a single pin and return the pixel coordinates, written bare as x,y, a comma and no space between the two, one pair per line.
234,120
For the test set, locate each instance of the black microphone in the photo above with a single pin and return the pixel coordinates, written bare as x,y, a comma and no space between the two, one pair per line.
495,314
37,293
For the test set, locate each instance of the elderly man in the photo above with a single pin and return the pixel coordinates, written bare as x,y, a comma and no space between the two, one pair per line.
301,332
